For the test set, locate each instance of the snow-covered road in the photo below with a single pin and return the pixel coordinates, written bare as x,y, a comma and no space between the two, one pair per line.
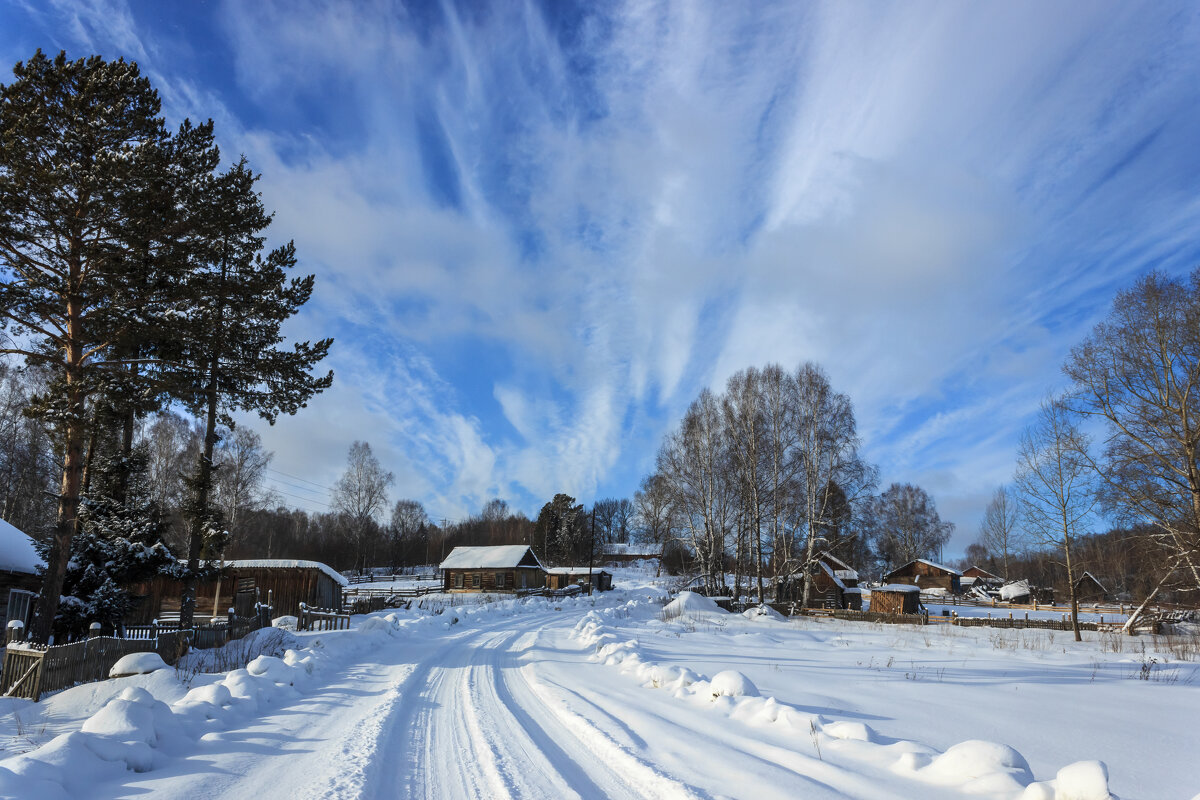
539,699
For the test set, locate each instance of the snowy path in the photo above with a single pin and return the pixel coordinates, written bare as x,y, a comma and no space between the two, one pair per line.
510,708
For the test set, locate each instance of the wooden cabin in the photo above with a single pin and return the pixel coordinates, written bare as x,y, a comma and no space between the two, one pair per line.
562,577
896,598
20,582
926,575
501,568
241,584
1088,589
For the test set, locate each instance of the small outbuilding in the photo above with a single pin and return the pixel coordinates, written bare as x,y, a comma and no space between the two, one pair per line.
926,574
562,577
896,598
1088,589
19,578
499,568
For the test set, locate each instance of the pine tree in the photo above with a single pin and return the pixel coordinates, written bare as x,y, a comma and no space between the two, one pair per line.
94,198
233,360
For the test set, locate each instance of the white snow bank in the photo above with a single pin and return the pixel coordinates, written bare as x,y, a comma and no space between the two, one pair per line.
691,603
731,683
137,664
972,767
763,612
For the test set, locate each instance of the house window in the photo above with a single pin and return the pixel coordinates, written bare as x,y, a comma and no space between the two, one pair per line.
499,580
458,580
475,577
20,603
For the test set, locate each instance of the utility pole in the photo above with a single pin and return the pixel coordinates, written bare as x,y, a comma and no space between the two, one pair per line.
592,548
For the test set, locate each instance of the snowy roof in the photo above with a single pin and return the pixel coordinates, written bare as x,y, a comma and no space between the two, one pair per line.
287,563
854,590
495,557
1014,589
929,563
832,575
646,550
897,587
16,551
1093,577
983,573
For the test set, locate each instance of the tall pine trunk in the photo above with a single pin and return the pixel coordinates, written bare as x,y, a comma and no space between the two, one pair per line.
203,489
72,477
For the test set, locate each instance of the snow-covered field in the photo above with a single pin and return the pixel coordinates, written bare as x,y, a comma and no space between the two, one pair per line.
619,697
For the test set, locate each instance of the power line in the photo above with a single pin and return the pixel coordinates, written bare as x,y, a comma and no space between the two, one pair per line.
294,485
298,478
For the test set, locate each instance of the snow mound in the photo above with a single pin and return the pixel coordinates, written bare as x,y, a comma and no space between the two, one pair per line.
981,767
137,664
732,683
1083,780
286,622
690,603
763,612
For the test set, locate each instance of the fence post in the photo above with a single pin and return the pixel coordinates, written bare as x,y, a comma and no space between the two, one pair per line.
16,631
93,630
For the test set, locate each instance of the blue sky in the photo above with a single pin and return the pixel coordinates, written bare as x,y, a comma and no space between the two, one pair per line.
539,229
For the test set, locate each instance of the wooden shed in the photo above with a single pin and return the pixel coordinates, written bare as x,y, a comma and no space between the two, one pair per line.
1088,589
926,575
241,584
19,579
562,577
831,578
896,598
500,568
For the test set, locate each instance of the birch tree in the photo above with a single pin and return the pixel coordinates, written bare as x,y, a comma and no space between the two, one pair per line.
1056,482
1139,373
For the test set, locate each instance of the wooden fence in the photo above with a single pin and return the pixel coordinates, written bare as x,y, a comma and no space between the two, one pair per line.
351,595
568,591
321,619
31,670
864,616
354,580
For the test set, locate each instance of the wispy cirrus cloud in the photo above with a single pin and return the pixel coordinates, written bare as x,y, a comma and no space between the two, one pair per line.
540,228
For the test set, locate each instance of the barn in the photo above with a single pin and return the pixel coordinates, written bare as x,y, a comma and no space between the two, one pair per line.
240,584
498,568
896,598
19,579
926,575
562,577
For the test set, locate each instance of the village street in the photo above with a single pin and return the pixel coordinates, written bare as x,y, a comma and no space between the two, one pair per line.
510,707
